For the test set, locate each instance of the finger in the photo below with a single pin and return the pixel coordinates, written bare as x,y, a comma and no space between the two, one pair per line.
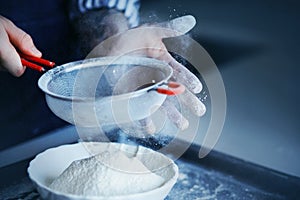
174,115
20,39
193,103
181,74
9,59
141,128
176,27
147,125
158,51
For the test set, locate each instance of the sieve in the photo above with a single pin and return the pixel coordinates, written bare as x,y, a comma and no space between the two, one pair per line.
108,90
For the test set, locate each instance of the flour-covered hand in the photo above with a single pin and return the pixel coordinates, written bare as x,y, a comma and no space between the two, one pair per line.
146,41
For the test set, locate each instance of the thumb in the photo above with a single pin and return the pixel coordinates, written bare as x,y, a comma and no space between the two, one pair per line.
21,40
176,27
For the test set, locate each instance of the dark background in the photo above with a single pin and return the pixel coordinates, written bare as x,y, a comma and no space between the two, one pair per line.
256,47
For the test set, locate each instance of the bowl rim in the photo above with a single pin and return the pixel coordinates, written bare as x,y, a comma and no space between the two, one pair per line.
170,181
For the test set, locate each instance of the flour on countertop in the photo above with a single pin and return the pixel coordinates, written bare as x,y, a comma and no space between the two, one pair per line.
107,174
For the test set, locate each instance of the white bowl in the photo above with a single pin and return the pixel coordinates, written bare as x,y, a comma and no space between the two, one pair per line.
48,165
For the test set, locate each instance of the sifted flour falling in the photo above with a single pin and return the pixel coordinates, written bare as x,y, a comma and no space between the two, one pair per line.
106,174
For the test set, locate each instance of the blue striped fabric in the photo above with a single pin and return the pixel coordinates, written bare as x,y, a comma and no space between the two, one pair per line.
129,7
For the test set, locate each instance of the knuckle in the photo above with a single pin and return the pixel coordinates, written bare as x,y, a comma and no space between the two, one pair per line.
6,22
26,38
156,52
1,19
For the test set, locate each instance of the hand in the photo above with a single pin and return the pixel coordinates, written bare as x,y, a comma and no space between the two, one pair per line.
147,41
13,39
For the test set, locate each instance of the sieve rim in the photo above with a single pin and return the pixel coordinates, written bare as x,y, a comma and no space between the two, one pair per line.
47,77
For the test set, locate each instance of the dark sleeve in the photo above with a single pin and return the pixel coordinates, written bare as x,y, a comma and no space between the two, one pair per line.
129,7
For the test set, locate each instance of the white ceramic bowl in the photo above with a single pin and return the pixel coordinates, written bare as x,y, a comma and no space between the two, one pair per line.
48,165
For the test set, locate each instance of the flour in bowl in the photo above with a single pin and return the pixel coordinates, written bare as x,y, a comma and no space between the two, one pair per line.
107,174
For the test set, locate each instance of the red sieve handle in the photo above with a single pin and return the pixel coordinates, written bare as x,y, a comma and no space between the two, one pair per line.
174,89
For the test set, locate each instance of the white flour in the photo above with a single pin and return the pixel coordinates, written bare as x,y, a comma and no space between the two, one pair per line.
106,174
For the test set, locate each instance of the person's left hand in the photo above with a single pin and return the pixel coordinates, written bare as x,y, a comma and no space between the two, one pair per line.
146,40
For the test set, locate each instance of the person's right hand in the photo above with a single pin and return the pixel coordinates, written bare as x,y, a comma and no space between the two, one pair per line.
13,39
147,41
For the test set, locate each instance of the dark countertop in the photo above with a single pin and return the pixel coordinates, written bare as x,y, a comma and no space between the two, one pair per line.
217,176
